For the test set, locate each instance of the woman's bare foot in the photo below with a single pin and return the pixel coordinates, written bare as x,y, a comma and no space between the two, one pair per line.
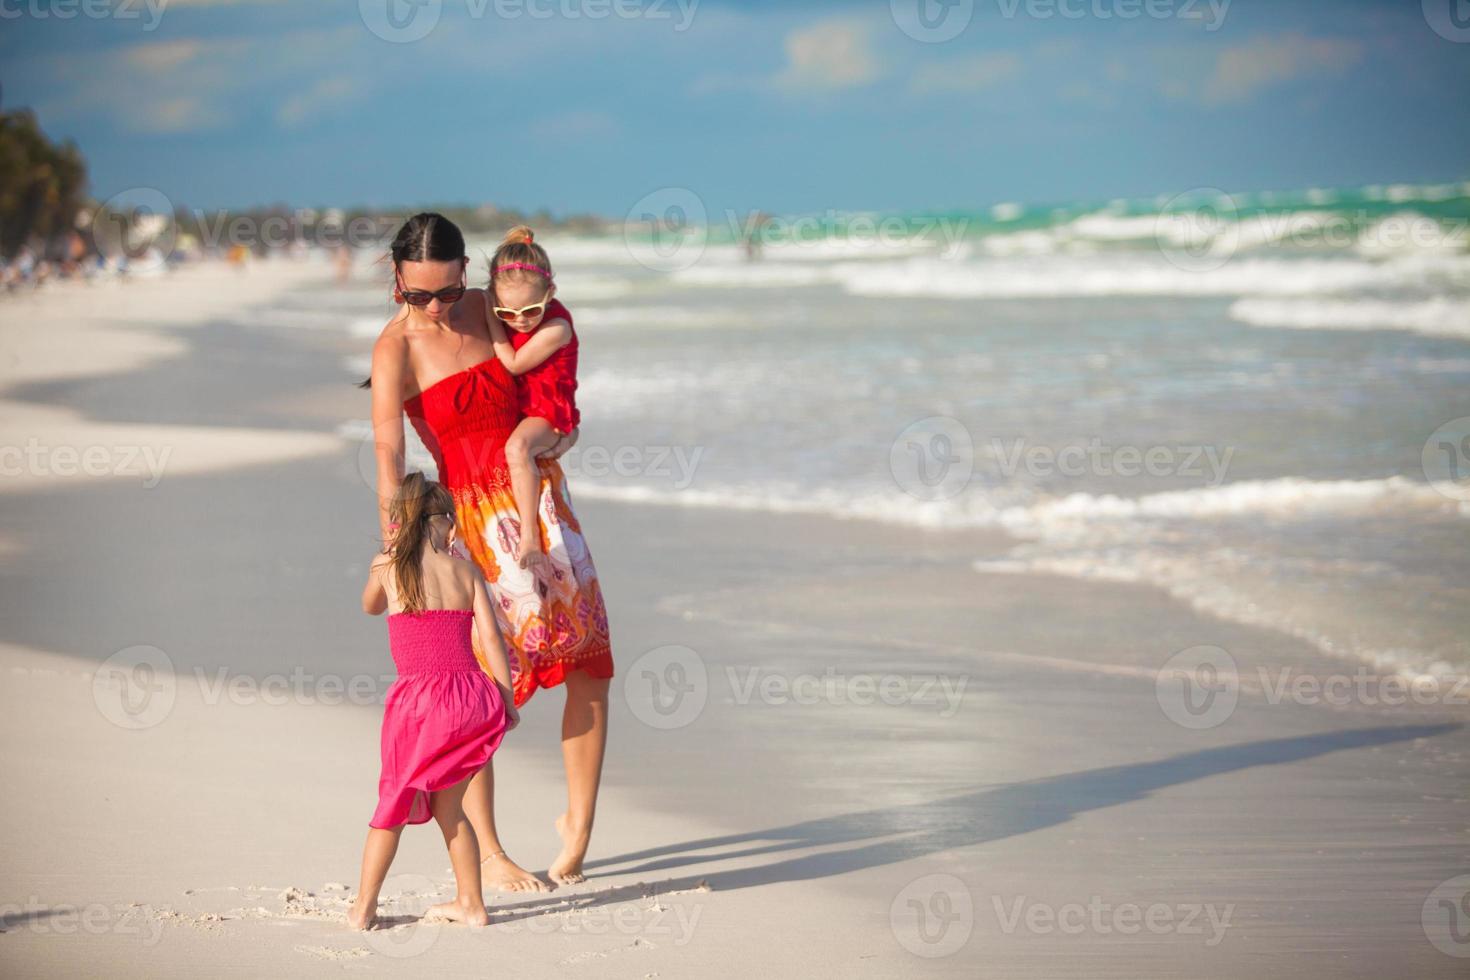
360,918
471,913
567,868
501,873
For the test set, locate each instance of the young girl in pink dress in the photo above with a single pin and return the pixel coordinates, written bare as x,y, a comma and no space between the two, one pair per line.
533,338
443,717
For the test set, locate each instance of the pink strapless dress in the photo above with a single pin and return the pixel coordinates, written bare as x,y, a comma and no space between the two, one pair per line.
442,718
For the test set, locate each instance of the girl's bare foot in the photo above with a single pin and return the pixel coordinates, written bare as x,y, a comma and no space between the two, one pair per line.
501,873
567,868
360,918
471,913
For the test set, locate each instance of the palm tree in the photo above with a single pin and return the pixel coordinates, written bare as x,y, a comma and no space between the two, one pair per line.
41,183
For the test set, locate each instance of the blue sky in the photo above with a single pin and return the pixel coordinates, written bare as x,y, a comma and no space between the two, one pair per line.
782,106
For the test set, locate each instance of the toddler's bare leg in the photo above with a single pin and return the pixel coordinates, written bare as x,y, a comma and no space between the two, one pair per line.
530,439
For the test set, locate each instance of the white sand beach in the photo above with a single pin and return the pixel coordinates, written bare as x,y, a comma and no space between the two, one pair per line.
836,748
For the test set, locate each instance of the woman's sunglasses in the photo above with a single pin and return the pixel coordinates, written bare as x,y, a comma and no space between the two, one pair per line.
529,312
422,297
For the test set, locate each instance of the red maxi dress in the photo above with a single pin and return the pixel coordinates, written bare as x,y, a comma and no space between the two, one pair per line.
549,627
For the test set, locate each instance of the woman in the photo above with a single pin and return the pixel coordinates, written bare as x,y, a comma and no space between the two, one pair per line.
435,363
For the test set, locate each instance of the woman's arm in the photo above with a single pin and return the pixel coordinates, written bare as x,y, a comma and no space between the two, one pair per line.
374,595
494,648
390,357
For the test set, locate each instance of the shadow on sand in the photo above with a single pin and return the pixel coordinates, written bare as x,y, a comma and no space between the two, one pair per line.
900,833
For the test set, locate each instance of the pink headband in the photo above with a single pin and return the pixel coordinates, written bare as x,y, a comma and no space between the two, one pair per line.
543,273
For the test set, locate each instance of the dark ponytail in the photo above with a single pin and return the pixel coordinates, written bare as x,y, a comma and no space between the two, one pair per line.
426,237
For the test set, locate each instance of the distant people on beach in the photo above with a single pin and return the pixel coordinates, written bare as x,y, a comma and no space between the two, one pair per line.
342,263
750,238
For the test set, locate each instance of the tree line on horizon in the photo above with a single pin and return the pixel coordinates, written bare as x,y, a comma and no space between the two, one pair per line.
42,184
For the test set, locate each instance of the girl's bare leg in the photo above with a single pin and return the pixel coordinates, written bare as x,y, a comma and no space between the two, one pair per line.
464,856
529,440
377,857
583,740
496,867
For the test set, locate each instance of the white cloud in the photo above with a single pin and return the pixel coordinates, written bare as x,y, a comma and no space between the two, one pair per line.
152,87
823,57
192,84
829,55
178,115
220,3
325,94
1088,94
577,126
162,56
1243,71
965,75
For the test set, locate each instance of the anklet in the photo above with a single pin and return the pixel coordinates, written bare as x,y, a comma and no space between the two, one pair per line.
491,855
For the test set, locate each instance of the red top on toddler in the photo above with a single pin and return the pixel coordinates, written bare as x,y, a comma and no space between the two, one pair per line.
549,390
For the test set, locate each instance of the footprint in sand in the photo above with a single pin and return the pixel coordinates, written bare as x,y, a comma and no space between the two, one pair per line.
328,953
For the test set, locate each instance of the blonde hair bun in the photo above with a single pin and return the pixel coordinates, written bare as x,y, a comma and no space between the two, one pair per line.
520,256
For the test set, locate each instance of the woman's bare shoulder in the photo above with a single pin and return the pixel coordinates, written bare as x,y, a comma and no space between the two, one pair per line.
394,329
392,344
